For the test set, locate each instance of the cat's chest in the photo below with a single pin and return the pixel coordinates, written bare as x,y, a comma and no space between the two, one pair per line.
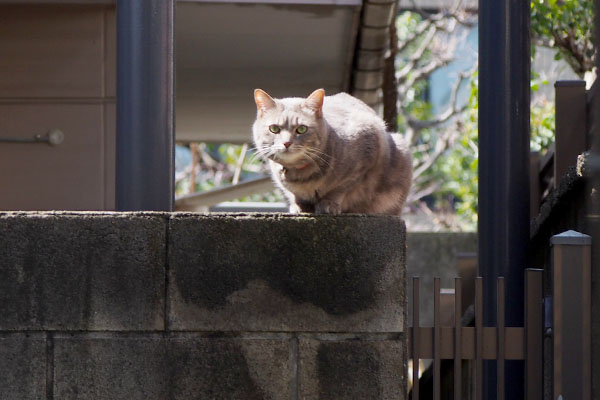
308,193
303,185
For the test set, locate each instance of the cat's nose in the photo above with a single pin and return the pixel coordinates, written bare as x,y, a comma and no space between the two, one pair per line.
287,144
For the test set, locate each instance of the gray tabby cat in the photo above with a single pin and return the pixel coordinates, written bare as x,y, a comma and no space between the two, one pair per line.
332,154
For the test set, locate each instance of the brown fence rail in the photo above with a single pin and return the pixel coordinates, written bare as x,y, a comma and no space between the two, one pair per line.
572,102
478,343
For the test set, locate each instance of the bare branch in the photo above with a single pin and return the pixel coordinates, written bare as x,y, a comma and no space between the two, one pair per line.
451,12
421,29
441,49
425,191
409,134
542,42
422,73
433,45
442,118
452,110
443,143
195,162
467,19
206,158
422,148
239,165
418,54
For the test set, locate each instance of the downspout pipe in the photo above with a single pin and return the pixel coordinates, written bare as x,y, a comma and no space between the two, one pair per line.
504,97
145,100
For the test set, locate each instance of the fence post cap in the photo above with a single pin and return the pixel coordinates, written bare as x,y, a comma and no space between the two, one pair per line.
571,238
569,83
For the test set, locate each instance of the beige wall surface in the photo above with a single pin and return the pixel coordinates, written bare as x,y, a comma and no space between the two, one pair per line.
58,71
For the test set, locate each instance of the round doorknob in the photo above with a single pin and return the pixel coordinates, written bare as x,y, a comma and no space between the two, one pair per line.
55,137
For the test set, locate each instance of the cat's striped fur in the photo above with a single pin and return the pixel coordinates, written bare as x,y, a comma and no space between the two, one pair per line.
344,161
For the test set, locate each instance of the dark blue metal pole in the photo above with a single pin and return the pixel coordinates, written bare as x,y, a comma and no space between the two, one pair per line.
504,75
145,98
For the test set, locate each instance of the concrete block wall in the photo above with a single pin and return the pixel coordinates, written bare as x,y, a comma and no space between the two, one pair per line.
187,306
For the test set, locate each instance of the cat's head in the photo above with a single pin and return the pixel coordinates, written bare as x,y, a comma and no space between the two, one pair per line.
289,131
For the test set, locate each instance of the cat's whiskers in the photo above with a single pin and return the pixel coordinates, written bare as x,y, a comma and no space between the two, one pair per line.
254,155
316,155
266,152
262,152
317,151
312,159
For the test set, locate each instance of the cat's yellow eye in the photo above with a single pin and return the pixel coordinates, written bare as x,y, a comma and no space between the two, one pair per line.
274,128
301,129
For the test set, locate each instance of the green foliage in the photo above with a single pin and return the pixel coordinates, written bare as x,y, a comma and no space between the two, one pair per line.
542,118
542,125
416,105
566,25
406,24
460,165
444,153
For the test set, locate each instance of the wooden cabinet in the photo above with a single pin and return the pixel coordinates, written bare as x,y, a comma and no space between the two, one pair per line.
58,71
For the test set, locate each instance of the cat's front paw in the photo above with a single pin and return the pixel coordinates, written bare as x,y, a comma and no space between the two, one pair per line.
328,207
295,209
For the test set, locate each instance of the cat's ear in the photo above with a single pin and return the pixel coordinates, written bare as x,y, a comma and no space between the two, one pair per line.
314,102
264,102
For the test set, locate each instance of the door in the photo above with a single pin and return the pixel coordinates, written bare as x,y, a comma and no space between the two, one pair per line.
57,72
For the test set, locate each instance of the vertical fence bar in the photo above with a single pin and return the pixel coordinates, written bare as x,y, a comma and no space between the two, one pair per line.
533,334
500,338
534,182
436,339
479,338
415,339
467,270
570,125
571,284
457,339
557,326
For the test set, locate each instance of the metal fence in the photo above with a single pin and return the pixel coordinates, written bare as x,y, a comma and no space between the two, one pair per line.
570,310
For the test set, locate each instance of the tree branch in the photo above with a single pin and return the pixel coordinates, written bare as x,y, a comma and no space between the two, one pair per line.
426,191
418,54
421,73
442,144
239,165
452,109
421,29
